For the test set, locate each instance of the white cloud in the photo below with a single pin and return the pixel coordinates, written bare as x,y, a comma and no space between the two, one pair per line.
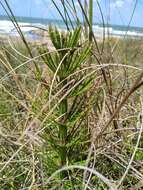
119,3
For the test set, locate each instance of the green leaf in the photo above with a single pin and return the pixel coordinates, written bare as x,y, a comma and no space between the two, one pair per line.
55,37
82,88
79,58
74,38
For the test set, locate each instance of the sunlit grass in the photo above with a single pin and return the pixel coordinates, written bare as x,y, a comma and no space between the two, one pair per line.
71,117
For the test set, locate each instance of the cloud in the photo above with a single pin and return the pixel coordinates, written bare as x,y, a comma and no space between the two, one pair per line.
117,4
120,3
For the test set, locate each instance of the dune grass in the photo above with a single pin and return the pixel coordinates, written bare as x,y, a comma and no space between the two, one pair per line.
71,117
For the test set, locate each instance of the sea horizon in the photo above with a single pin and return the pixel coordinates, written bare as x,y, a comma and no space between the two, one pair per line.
7,27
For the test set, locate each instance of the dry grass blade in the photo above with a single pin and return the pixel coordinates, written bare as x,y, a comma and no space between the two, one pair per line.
93,171
70,114
140,123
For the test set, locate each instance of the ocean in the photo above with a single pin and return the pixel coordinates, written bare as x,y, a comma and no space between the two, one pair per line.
27,25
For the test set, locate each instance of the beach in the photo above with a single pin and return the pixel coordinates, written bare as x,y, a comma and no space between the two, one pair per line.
29,28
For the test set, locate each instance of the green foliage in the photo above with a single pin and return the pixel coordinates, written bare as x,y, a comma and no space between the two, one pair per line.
48,122
69,51
72,56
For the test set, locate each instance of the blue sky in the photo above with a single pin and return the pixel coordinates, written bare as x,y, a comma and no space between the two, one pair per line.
120,10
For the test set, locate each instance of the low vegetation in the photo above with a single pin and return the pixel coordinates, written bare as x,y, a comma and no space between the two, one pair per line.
71,115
